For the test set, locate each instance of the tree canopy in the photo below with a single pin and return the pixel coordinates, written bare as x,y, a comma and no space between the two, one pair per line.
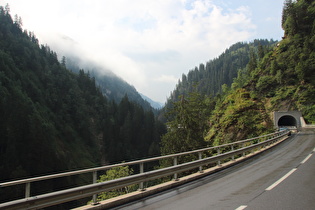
54,120
249,81
187,124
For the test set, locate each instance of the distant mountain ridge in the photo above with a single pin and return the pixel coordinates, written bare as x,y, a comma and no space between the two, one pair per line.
154,104
112,86
208,78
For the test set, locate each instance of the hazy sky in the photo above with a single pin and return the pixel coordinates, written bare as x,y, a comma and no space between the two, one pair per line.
148,43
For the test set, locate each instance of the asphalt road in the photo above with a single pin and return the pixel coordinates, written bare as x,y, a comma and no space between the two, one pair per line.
280,178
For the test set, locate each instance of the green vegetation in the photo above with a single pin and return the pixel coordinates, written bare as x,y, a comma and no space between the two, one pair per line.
250,81
225,110
285,78
237,116
187,125
209,77
54,120
115,173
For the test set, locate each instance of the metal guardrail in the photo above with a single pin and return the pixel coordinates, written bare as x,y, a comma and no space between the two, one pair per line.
309,126
58,197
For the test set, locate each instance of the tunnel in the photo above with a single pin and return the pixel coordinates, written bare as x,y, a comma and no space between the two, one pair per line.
287,120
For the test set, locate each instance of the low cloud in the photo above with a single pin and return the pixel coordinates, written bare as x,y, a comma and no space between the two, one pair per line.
147,45
167,79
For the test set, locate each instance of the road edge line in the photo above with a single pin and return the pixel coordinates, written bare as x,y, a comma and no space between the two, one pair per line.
280,180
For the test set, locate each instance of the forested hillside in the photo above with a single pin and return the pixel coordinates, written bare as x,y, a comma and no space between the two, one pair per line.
276,77
209,77
284,79
55,120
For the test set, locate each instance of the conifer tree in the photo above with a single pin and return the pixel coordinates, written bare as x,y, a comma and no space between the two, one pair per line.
187,124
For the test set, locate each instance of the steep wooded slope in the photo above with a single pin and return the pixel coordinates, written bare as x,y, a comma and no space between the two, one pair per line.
55,120
277,77
284,79
208,78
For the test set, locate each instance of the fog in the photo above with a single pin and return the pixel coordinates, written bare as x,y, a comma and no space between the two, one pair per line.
149,45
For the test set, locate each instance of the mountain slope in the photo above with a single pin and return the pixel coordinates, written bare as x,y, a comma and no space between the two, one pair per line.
113,87
56,120
282,80
273,78
42,104
286,77
209,77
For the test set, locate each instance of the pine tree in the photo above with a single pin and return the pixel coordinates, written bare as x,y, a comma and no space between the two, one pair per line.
187,124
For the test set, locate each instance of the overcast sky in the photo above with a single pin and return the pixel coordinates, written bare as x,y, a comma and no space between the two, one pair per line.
148,43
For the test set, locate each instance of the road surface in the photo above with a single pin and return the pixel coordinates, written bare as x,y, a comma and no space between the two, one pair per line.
280,178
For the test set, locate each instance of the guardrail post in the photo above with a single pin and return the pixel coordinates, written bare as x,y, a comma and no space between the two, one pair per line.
200,157
141,187
175,163
219,162
232,149
243,145
27,190
94,202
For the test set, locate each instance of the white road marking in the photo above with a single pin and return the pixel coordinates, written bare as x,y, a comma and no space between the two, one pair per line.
308,157
241,207
281,179
314,149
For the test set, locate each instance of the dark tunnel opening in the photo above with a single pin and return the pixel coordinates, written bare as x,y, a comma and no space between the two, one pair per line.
287,121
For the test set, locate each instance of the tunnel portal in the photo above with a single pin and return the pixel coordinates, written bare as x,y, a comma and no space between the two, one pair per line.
290,119
287,120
